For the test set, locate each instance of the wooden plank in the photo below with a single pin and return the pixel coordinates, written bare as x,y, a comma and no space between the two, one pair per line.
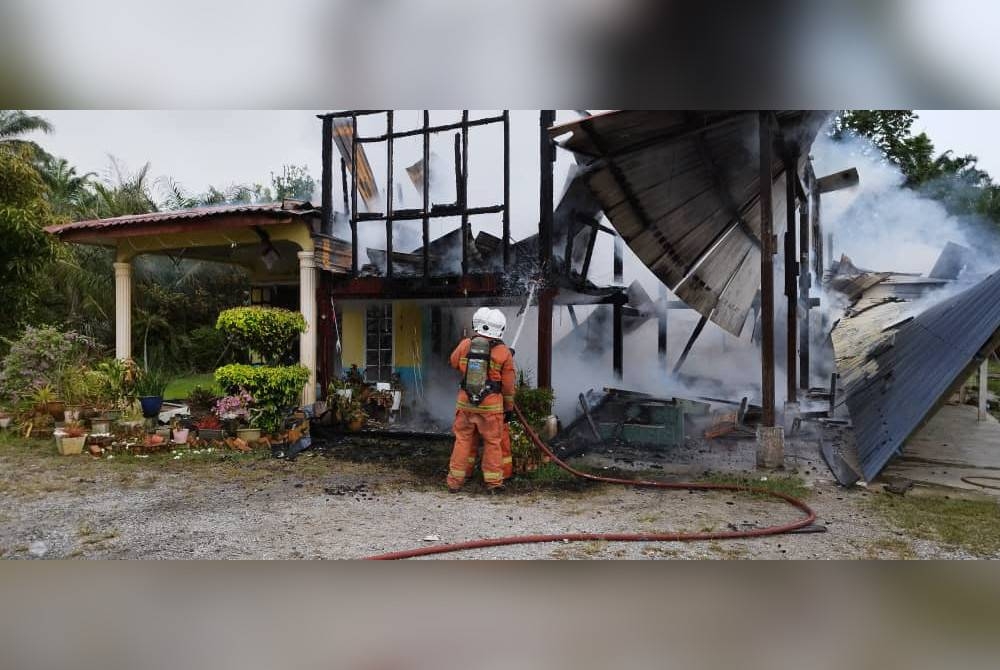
735,302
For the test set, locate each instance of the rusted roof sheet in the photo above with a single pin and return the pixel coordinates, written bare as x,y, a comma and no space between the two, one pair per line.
897,364
269,210
682,190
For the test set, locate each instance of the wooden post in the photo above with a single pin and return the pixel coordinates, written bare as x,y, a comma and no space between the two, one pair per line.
619,263
617,342
354,195
327,175
984,388
690,343
661,334
506,189
791,286
805,283
546,297
766,271
464,200
388,195
426,181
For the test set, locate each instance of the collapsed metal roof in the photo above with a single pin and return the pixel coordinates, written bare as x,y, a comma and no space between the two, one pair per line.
682,189
898,362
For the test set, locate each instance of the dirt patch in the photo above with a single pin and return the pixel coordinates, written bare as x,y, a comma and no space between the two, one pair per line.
351,499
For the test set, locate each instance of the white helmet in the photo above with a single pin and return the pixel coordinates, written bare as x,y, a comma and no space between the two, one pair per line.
479,321
497,323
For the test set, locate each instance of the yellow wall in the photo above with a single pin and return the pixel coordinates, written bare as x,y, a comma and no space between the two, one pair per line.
407,323
352,334
407,320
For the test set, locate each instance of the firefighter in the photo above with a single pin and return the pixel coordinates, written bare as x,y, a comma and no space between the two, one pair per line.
485,400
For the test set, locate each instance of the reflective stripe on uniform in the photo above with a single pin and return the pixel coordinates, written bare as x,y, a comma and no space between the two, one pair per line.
508,459
457,474
492,476
482,409
472,459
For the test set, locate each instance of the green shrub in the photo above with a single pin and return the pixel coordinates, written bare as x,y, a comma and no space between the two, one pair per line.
275,389
267,331
535,404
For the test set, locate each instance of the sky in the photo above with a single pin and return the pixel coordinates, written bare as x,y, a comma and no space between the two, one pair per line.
220,148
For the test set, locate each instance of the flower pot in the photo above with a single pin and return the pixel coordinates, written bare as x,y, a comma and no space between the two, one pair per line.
181,435
72,412
69,446
114,414
210,434
248,434
151,405
354,425
163,432
100,426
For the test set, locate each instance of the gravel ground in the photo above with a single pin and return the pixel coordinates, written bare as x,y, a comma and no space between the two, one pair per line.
326,506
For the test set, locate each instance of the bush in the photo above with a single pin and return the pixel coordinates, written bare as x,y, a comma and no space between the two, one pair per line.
275,389
267,331
535,404
37,358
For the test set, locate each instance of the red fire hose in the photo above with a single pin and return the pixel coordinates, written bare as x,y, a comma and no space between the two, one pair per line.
808,517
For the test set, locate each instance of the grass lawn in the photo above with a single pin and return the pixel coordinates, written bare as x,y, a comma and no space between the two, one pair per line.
178,389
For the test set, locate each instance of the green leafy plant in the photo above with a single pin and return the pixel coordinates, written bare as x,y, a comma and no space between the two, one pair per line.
42,396
267,331
536,405
36,358
275,389
150,383
201,399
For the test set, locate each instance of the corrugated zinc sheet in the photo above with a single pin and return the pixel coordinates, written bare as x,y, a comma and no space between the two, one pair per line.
294,208
895,370
682,189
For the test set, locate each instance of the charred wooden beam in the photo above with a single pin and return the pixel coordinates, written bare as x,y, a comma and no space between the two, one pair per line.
545,215
425,209
766,269
506,189
327,176
661,325
700,326
343,187
388,196
805,283
354,195
617,341
791,284
472,123
619,260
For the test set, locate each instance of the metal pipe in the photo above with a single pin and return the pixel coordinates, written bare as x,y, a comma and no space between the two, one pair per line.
766,270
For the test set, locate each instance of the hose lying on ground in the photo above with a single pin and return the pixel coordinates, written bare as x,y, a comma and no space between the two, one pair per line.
809,516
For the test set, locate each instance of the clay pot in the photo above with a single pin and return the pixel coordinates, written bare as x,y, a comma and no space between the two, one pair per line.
181,435
69,446
248,434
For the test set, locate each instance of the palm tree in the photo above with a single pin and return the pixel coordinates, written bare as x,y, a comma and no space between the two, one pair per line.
69,194
15,124
123,193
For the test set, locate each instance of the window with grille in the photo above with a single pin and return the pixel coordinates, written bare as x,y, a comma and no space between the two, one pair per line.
378,341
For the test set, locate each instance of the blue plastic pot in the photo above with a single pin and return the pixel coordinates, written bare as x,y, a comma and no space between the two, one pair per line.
151,405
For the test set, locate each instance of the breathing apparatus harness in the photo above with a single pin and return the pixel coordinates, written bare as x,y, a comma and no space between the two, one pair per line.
476,381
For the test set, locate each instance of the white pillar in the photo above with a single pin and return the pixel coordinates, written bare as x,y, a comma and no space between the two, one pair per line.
984,387
123,310
307,305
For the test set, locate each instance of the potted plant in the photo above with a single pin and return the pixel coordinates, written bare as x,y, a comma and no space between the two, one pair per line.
355,416
70,385
209,428
149,388
233,410
252,432
71,439
179,433
46,402
201,400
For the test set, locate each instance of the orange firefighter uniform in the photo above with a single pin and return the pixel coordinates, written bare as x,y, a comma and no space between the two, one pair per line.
484,421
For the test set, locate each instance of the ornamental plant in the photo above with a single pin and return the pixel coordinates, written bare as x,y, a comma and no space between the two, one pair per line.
275,389
236,406
269,332
36,359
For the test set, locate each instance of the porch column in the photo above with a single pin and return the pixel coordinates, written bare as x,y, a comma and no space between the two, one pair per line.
123,310
307,305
